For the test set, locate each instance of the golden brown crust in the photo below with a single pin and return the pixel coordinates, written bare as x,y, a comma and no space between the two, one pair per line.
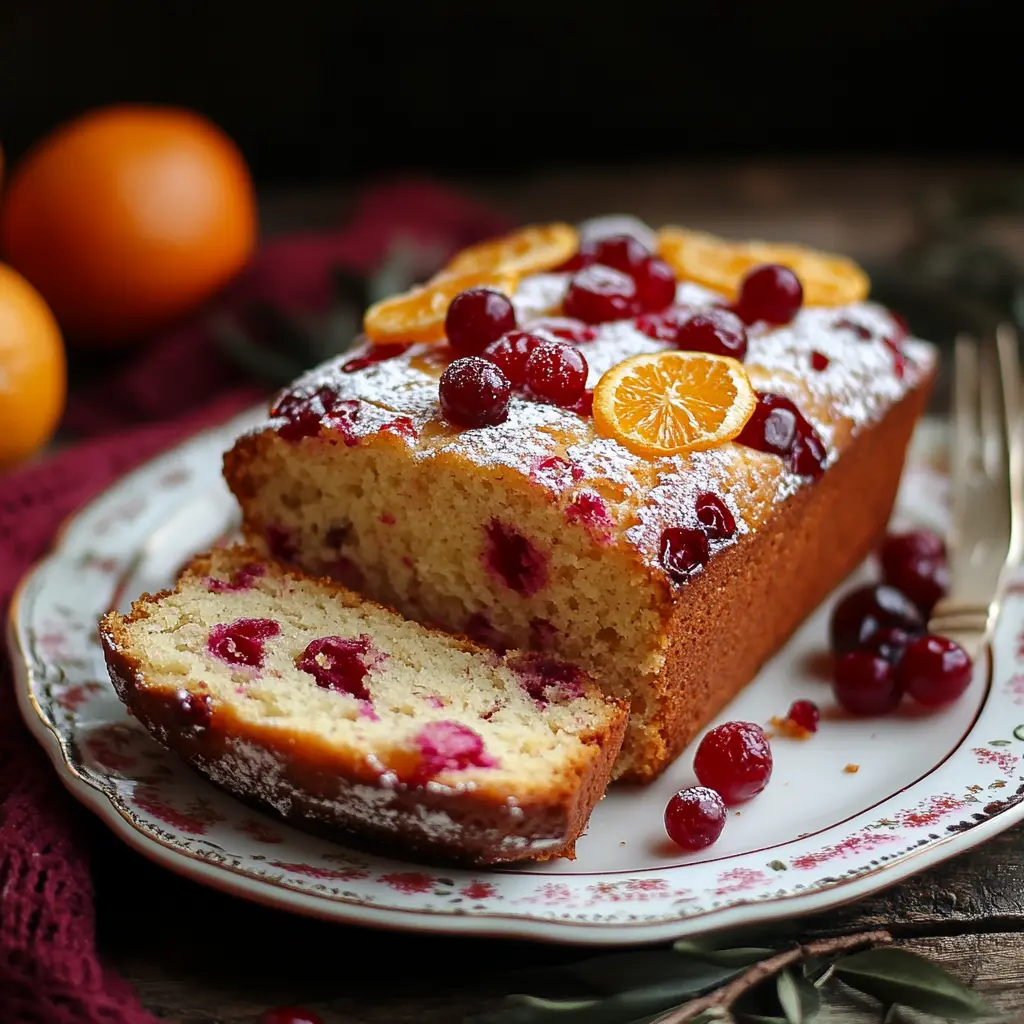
315,785
733,617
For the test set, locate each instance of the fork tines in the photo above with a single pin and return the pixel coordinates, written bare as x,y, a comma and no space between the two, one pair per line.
985,488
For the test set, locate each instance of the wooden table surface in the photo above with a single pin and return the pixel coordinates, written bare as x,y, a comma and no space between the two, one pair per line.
195,955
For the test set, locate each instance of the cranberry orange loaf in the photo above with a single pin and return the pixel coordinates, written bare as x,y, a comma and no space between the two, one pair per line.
650,453
333,711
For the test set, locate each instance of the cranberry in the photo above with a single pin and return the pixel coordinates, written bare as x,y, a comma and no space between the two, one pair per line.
819,361
241,642
846,324
377,354
340,663
598,293
864,611
291,1015
195,710
474,393
734,760
899,358
564,328
889,642
557,373
865,683
683,552
621,252
778,427
585,406
242,579
655,285
935,670
448,747
771,293
510,353
915,563
901,329
695,817
303,412
546,679
476,317
805,714
508,554
716,331
664,326
714,516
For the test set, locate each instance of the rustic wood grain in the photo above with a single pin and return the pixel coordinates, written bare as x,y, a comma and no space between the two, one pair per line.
200,957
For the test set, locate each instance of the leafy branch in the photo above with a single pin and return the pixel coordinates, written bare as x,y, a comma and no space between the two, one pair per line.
689,982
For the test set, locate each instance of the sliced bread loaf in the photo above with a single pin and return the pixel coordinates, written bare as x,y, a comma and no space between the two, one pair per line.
338,714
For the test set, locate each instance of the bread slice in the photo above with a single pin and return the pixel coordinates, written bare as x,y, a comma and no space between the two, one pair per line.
338,714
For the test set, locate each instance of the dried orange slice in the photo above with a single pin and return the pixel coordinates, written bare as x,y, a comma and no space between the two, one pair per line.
530,250
720,264
418,315
666,403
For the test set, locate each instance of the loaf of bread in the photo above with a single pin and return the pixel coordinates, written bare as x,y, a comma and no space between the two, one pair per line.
336,713
543,532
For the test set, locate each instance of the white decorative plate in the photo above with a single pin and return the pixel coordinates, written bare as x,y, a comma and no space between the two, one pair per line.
929,785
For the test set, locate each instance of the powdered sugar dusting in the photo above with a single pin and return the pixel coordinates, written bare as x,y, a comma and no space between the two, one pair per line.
855,388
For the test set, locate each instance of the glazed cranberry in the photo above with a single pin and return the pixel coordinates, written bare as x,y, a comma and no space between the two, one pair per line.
564,328
664,326
683,552
241,642
915,563
716,331
771,293
734,760
510,353
585,406
474,393
695,817
864,611
889,642
590,510
819,361
598,294
477,317
655,285
899,359
901,329
449,747
377,354
621,252
865,684
714,516
303,412
291,1015
805,714
194,709
778,427
557,373
935,670
340,663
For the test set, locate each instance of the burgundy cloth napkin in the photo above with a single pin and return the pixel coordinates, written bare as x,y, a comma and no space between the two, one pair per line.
50,972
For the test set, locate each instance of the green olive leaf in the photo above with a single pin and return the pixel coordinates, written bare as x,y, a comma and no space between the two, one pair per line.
741,956
620,972
798,998
894,975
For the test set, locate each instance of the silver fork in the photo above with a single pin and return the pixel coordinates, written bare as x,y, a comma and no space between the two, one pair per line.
986,475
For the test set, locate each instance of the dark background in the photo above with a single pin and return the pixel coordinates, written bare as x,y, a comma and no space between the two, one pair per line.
330,91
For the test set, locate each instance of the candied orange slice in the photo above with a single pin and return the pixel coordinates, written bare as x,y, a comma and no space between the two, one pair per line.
666,403
720,264
418,315
530,250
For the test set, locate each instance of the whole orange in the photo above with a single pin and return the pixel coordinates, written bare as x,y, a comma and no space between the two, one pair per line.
32,369
127,218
